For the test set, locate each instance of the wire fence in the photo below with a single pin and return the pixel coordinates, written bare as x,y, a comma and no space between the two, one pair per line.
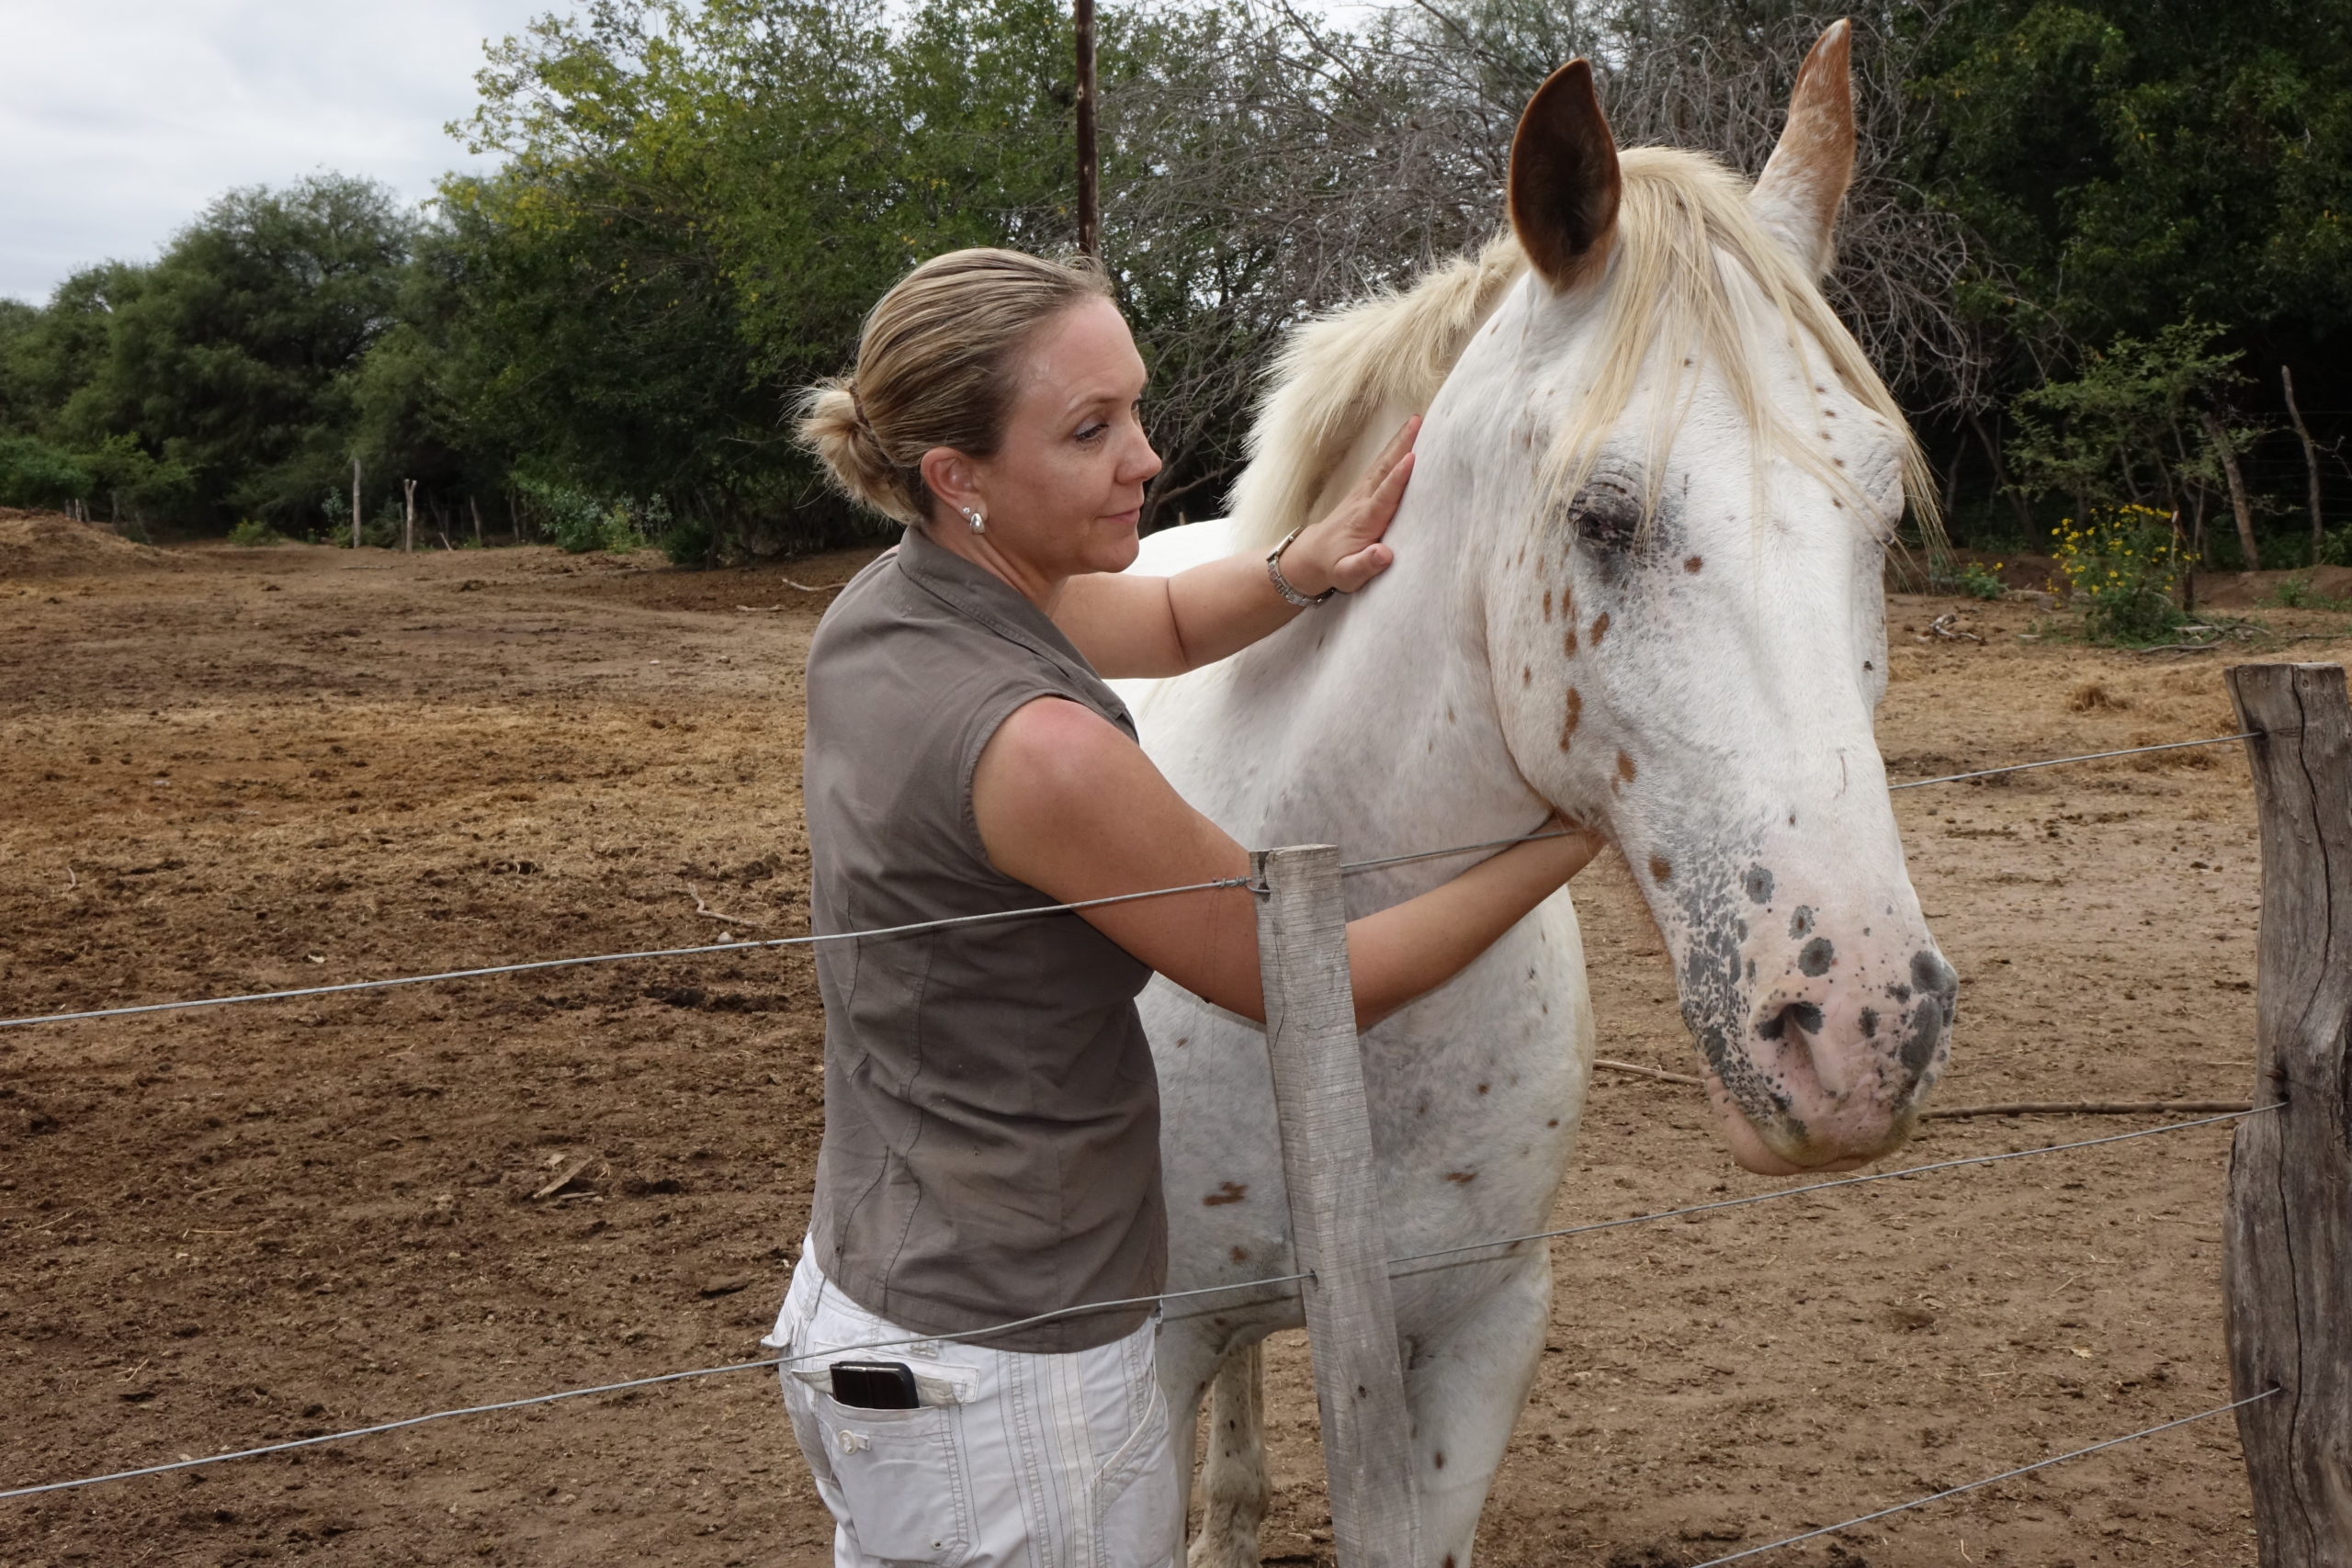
1161,1300
912,928
1988,1481
1437,1258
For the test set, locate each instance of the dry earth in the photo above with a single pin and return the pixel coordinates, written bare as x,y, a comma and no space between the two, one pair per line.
228,770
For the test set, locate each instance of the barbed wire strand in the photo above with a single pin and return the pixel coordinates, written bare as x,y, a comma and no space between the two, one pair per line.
1058,1313
628,1383
1990,1480
1840,1181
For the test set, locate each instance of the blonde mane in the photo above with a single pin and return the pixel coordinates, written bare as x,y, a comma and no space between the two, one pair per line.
1338,370
1683,221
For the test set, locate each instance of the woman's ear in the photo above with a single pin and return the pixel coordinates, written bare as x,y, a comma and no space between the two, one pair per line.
949,474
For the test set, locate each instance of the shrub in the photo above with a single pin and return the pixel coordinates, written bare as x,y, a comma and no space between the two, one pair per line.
250,532
2122,567
577,521
1981,582
33,473
687,542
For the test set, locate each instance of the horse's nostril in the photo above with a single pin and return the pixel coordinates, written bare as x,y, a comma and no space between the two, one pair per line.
1931,974
1805,1016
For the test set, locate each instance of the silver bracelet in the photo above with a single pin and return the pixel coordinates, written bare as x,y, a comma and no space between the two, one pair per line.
1281,584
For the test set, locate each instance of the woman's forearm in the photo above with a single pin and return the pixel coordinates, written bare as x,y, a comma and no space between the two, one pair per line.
1408,950
1222,606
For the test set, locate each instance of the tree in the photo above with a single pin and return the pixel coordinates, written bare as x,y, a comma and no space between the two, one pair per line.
233,358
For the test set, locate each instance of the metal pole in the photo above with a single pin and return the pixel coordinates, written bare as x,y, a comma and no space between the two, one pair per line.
1090,173
1335,1207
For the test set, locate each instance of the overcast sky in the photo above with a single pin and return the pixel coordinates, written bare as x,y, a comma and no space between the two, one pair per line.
120,120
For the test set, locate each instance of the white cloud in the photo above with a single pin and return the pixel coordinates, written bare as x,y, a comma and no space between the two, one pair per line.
120,120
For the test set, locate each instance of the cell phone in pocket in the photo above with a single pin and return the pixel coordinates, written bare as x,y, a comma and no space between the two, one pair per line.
875,1385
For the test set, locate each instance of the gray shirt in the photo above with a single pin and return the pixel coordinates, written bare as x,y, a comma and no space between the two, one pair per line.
991,1144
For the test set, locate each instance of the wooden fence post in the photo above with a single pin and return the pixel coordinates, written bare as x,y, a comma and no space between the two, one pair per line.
407,520
1335,1207
2287,1257
354,503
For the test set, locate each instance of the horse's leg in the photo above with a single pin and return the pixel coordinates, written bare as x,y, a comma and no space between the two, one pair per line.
1188,1359
1233,1480
1465,1383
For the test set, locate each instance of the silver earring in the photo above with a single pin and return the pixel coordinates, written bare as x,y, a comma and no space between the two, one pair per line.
979,524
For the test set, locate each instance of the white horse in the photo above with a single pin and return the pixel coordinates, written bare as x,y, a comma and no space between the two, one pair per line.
1637,580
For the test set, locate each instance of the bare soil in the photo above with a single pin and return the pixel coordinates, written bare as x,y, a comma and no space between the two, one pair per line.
238,770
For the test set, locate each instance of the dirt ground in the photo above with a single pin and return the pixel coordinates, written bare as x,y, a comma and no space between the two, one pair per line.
236,770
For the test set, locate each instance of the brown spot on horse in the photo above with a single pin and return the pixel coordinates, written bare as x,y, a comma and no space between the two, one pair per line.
1230,1192
1599,627
1694,563
1661,869
1576,717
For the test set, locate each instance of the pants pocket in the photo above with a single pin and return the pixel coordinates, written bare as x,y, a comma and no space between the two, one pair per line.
901,1480
1136,1500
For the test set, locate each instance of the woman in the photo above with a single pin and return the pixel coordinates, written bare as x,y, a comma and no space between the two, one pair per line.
990,1153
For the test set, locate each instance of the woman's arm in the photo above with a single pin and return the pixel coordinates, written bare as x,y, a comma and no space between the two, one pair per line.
1164,625
1068,805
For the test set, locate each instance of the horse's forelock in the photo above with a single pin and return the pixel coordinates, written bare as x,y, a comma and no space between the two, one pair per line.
1681,214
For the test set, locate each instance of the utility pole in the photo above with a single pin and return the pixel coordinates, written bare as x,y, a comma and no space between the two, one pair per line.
1090,173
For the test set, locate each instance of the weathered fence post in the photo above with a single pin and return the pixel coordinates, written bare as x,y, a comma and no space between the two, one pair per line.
354,503
2287,1259
1335,1206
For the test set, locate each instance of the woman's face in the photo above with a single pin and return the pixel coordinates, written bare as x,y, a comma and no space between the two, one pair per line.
1064,490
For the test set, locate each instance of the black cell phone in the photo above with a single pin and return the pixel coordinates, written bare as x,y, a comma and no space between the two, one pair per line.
875,1385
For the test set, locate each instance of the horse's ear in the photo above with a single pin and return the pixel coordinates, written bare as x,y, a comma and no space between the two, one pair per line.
1563,179
1801,189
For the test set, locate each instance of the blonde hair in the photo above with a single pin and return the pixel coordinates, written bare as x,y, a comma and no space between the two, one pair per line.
1682,217
935,363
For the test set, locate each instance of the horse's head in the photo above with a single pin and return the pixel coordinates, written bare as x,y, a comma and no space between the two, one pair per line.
1689,474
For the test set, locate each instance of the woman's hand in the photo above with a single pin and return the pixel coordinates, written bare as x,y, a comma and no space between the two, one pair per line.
1343,548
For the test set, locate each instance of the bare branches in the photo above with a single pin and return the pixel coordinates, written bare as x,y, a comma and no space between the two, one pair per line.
1264,164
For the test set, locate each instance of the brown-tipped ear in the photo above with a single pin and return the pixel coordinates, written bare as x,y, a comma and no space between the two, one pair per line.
1563,179
1801,189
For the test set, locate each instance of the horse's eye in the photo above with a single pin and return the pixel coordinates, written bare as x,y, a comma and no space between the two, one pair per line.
1607,514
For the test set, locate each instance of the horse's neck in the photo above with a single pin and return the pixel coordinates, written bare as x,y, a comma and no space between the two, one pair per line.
1369,723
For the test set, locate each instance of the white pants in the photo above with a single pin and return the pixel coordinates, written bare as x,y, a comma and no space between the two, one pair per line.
1013,1461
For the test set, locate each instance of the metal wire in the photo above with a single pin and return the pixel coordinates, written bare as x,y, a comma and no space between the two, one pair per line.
912,927
618,957
1824,1186
627,1384
2086,757
2004,1475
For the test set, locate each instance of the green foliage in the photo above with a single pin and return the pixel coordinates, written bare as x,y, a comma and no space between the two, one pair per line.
1980,582
2126,430
250,532
2135,164
2123,568
690,541
33,473
577,521
234,355
2334,548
